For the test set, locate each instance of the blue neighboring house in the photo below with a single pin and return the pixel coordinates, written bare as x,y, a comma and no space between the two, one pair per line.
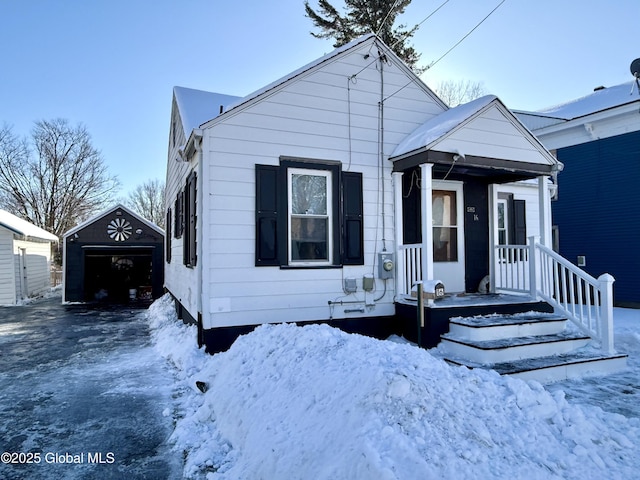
595,212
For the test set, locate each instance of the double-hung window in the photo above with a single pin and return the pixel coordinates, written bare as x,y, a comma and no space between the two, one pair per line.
308,214
310,221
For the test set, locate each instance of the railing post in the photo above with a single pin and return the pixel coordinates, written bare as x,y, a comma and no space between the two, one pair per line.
533,266
606,289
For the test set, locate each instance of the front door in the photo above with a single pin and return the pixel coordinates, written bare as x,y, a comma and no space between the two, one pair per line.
448,235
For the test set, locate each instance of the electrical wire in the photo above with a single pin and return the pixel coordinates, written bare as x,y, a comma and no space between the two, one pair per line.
414,29
449,51
387,16
468,33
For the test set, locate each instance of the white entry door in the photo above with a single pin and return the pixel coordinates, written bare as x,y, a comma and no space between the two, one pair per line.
448,235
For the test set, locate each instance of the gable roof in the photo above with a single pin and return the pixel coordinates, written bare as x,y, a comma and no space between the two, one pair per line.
108,211
363,40
435,128
197,106
21,227
482,128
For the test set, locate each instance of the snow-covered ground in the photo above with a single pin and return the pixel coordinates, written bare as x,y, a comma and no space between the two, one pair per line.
289,402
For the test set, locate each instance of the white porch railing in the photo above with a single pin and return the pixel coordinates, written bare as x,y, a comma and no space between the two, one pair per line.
537,270
409,267
540,272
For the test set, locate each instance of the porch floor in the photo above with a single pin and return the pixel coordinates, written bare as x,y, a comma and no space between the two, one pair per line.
471,300
438,314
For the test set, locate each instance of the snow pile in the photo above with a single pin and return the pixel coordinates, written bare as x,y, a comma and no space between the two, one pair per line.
313,402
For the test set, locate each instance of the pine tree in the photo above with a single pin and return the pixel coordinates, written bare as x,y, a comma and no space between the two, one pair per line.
362,17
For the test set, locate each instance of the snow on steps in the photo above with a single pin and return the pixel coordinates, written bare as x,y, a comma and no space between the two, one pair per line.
533,346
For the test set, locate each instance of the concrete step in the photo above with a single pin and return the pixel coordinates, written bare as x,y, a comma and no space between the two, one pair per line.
585,362
498,327
489,352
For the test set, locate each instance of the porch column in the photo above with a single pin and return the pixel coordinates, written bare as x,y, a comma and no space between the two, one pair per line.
399,238
493,235
426,220
544,200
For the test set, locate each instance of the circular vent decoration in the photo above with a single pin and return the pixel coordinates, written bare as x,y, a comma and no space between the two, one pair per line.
119,229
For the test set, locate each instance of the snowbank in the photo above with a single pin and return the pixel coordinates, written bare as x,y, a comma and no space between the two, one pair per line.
290,402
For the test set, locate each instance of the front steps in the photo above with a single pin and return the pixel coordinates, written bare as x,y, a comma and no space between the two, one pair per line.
533,346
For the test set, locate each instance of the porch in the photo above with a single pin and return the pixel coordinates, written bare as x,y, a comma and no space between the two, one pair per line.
543,318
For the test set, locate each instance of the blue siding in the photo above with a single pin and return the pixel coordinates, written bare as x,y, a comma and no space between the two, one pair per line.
597,210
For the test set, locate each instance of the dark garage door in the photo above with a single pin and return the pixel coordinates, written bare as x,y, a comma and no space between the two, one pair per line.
118,275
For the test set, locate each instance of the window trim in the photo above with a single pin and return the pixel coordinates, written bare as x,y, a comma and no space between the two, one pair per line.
329,216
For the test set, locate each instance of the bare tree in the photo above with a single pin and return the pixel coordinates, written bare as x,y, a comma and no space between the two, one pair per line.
57,184
147,200
454,93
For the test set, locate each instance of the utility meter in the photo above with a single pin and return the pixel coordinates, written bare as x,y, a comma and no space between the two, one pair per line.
386,265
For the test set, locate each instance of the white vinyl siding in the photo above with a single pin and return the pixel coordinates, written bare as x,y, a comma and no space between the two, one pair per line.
38,264
493,135
307,118
182,282
7,268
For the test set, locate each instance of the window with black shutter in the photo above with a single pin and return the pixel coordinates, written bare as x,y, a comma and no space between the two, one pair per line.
167,237
189,235
178,212
308,214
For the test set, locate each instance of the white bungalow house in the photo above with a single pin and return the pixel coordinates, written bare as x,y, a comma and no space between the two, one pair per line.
328,194
25,259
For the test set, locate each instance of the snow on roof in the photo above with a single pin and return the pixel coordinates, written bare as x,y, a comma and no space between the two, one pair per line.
599,100
303,69
197,106
438,126
22,227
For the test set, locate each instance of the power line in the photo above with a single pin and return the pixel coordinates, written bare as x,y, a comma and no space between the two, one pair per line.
387,16
468,33
414,29
449,51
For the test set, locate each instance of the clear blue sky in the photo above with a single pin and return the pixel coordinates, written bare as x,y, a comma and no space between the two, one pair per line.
111,64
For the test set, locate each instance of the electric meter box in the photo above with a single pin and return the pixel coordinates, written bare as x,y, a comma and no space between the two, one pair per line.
386,265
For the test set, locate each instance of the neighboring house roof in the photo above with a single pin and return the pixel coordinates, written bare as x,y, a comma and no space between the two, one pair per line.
107,212
484,127
604,113
598,101
22,227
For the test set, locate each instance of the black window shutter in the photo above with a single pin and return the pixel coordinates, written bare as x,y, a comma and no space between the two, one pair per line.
519,222
352,214
167,237
189,233
266,253
193,257
178,212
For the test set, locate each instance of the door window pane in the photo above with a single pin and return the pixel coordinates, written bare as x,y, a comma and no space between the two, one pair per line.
502,222
445,229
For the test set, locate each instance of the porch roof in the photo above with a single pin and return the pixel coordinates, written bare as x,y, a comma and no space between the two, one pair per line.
481,138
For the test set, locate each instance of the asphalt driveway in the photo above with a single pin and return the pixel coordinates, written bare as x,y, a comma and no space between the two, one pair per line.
82,395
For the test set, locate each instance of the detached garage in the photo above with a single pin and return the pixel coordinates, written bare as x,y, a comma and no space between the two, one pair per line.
115,257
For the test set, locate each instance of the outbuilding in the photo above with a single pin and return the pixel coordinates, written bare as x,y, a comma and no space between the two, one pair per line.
25,259
116,256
